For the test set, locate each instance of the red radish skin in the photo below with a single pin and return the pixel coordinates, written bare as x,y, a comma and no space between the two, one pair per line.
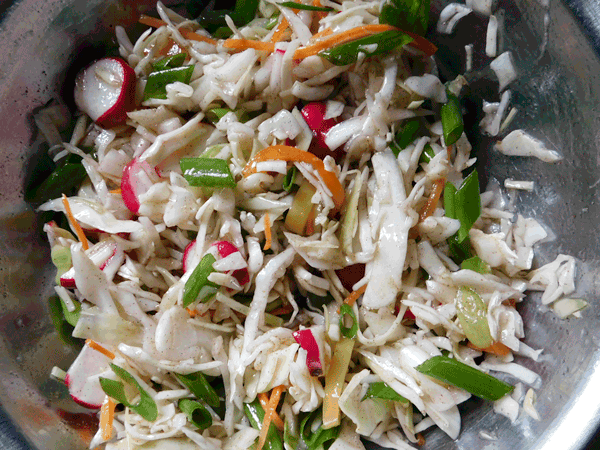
187,254
314,115
307,341
106,99
226,248
132,185
81,378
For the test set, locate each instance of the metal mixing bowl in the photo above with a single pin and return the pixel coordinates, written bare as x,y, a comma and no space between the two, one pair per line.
556,96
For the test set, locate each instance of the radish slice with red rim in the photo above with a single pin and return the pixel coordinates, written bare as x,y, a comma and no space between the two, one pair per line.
105,91
314,115
138,176
226,248
82,377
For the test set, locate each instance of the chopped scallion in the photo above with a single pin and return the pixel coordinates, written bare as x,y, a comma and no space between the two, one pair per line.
145,407
197,287
409,15
207,172
405,136
347,312
198,385
156,86
465,377
170,62
452,120
197,414
256,415
290,178
381,390
476,264
302,6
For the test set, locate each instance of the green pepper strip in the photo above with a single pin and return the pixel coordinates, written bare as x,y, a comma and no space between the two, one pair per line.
197,285
290,179
216,114
207,172
465,377
305,7
156,86
427,155
145,407
62,326
476,264
198,385
319,438
256,415
64,178
452,120
197,414
405,136
243,13
170,62
409,15
349,332
472,315
385,42
381,390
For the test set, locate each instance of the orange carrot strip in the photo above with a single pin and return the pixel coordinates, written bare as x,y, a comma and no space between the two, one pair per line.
420,440
319,14
292,154
74,224
188,34
264,401
243,44
107,414
341,38
419,42
285,309
269,411
267,232
99,348
310,221
434,198
497,348
351,299
323,33
280,30
192,312
115,191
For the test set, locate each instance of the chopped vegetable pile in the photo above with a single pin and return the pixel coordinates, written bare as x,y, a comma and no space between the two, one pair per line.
278,237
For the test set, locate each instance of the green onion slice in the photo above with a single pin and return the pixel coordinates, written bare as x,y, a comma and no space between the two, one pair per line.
170,62
452,120
304,7
290,178
197,286
476,264
409,15
256,415
156,86
320,438
197,414
383,391
63,328
465,377
207,172
349,332
145,407
405,136
375,44
216,114
198,385
427,155
472,315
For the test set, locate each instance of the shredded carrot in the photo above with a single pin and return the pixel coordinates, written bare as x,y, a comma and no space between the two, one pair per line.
107,414
419,42
449,152
341,38
267,232
269,411
188,34
243,44
292,154
74,224
310,221
192,312
351,299
319,14
264,401
115,191
280,30
497,348
420,440
434,198
323,33
99,348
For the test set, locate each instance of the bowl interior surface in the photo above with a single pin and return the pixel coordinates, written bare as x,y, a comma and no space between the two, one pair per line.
556,95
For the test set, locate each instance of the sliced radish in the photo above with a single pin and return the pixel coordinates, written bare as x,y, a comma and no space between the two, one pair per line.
311,339
82,377
226,248
107,255
105,91
314,115
138,177
188,254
